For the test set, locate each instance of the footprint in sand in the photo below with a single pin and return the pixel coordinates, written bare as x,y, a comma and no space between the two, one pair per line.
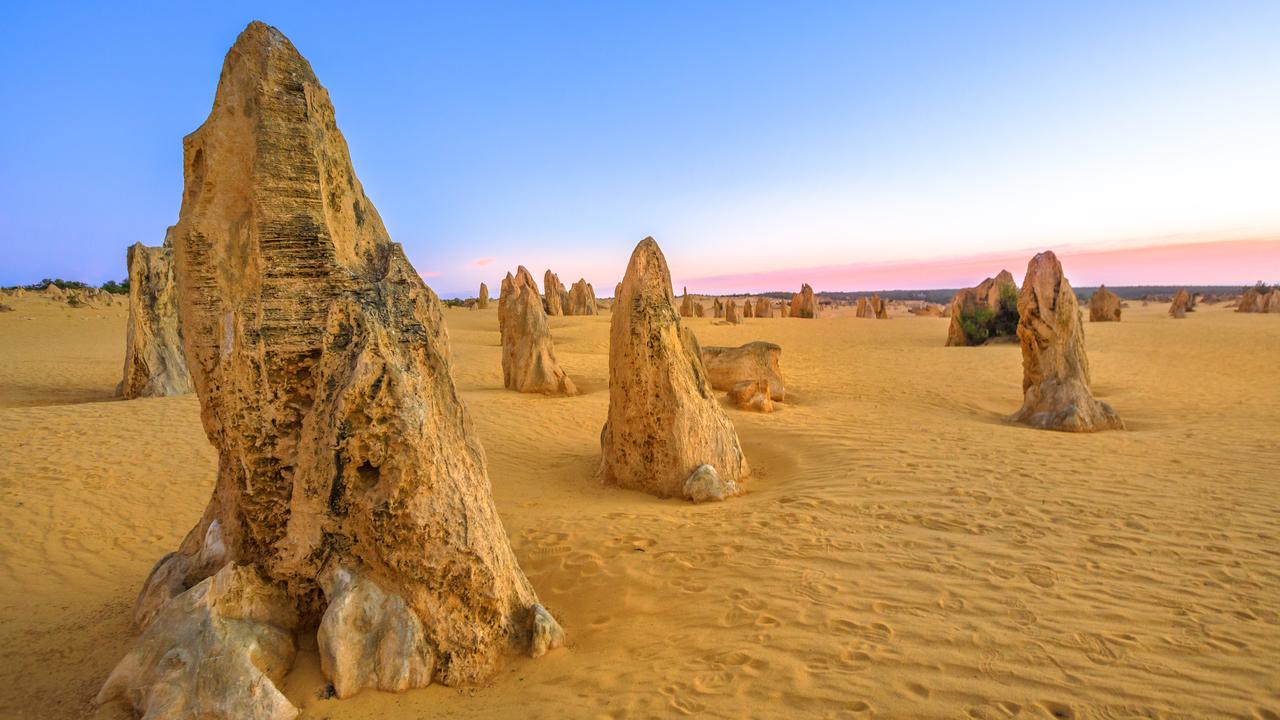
1099,649
1062,711
1040,575
995,711
677,695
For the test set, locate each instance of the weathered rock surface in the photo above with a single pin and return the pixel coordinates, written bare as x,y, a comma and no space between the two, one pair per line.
803,304
698,310
1259,299
1055,369
323,371
482,302
864,309
748,308
556,295
927,310
985,312
878,308
706,485
784,309
764,308
751,395
731,312
725,367
663,420
1104,306
504,291
582,299
528,356
155,364
718,309
1180,305
219,650
686,304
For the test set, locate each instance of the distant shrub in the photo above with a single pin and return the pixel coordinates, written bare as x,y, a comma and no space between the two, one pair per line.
58,282
976,324
116,288
454,302
1006,319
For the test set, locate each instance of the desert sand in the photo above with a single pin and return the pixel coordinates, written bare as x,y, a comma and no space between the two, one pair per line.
900,551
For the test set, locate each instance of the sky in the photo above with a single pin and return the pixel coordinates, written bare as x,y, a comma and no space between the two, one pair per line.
866,145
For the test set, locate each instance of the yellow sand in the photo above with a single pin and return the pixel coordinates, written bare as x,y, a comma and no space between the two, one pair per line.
902,552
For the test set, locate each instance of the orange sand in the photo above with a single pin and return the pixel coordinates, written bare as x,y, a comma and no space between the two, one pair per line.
901,552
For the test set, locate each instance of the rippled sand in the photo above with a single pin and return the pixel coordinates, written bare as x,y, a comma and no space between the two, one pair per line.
902,552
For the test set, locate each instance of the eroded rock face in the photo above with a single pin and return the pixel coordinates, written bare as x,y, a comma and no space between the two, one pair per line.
725,367
1259,299
718,309
686,304
155,364
482,301
528,356
663,420
582,299
878,308
764,308
985,312
556,296
731,312
323,370
748,309
784,309
751,395
803,304
1181,304
219,650
1055,370
698,310
504,293
706,485
1104,306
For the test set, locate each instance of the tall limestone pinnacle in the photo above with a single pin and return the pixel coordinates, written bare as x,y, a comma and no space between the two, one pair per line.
664,423
352,493
1055,369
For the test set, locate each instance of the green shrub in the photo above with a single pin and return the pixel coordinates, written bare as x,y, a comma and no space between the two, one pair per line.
976,324
116,288
1006,320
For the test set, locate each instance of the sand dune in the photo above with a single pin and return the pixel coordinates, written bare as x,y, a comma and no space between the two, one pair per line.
900,552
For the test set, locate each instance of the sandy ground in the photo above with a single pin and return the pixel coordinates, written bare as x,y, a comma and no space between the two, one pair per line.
902,553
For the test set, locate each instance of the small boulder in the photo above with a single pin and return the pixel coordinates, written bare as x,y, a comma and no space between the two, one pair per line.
1104,306
759,360
706,485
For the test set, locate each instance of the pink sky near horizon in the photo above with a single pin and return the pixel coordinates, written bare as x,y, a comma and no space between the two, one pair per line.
1220,262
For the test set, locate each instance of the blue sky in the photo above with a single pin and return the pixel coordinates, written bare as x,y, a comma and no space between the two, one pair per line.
744,137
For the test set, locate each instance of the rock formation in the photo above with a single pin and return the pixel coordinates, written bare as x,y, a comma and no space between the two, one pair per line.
864,309
878,308
803,304
727,366
686,304
351,493
582,299
1104,306
155,364
698,310
1180,305
53,292
1259,299
482,302
985,312
748,308
731,312
784,309
663,421
1055,370
751,395
528,357
764,308
718,309
556,295
927,310
504,291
